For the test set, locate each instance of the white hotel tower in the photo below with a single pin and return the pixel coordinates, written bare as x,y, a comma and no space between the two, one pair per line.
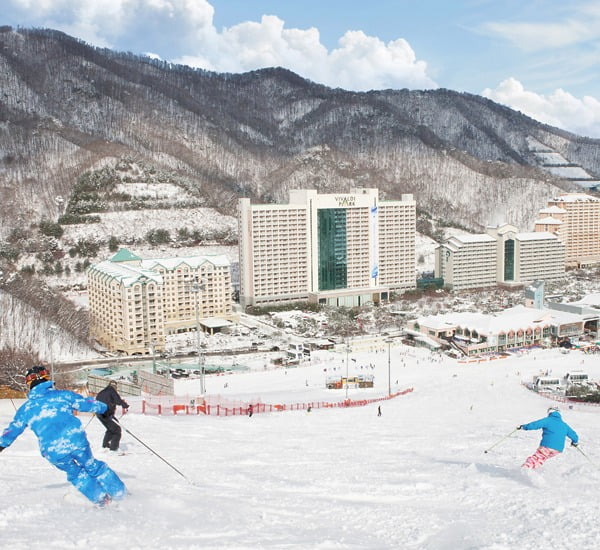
343,249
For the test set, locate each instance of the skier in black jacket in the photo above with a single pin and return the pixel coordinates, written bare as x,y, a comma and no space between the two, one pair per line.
111,397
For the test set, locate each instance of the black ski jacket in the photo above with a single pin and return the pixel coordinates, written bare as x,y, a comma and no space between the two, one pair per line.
111,397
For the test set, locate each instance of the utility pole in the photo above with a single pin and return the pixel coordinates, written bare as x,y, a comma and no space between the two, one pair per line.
153,348
389,343
196,288
347,352
52,330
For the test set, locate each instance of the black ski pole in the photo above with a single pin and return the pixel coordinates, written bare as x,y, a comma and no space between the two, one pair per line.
90,421
501,440
586,456
152,451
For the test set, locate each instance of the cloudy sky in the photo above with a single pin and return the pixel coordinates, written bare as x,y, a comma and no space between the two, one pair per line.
541,57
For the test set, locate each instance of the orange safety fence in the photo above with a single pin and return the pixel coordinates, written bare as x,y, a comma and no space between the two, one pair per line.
243,409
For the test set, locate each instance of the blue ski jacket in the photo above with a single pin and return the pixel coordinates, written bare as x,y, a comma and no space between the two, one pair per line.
49,414
554,431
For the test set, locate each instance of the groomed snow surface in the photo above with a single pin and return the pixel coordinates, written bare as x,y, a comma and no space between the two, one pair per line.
416,477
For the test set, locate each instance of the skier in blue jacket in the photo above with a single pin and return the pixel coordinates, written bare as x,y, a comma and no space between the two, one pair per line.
554,433
49,414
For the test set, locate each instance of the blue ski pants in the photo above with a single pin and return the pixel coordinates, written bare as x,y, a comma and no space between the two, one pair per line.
93,478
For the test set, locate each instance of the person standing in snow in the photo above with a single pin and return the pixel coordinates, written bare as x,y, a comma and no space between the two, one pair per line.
110,396
554,433
48,412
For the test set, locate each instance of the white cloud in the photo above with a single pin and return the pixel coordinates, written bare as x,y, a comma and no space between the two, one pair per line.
543,36
575,24
560,109
365,62
183,32
360,62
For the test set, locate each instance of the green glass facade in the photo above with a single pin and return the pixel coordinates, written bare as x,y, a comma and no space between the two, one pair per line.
509,260
333,258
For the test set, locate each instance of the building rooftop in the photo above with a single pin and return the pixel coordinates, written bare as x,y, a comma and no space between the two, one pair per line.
515,318
476,238
553,210
127,275
592,300
124,255
192,261
548,221
575,197
536,236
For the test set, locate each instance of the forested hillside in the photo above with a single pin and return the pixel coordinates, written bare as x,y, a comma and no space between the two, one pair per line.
67,108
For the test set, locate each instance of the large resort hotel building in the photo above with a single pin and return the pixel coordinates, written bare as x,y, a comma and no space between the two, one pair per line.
344,249
575,218
134,303
502,255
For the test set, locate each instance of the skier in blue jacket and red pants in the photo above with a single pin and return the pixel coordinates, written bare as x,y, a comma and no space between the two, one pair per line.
554,433
62,439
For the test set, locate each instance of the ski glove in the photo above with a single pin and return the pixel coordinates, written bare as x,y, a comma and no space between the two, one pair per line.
519,427
573,444
2,448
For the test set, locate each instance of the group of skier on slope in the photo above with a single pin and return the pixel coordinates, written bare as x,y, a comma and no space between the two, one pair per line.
48,412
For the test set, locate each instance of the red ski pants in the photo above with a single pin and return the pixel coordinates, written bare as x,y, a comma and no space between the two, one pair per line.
538,458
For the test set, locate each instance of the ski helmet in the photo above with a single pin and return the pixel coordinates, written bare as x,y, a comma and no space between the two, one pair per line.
36,375
553,408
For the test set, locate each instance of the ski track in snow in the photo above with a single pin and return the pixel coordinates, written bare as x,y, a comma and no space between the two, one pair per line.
343,478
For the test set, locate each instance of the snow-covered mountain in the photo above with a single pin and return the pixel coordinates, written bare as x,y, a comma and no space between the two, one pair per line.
66,108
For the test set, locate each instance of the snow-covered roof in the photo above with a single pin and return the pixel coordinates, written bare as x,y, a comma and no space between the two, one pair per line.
548,221
515,318
592,300
193,262
553,210
126,274
320,341
476,238
456,242
536,236
215,322
576,197
437,322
